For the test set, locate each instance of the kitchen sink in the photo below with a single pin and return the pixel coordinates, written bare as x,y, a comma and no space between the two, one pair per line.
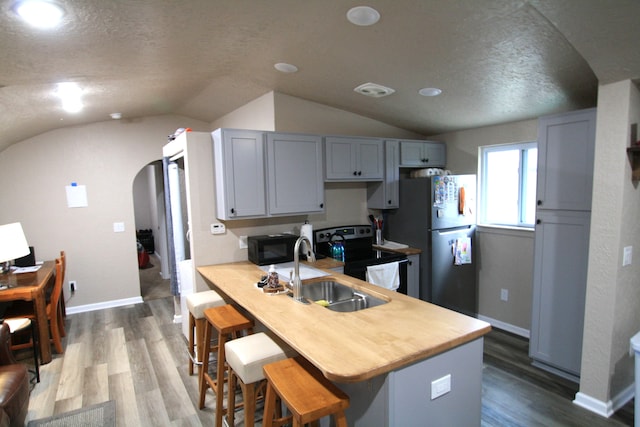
339,297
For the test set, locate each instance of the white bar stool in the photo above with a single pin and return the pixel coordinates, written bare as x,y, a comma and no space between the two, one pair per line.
246,357
197,303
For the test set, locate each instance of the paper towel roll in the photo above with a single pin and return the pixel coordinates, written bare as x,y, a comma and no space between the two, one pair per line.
307,231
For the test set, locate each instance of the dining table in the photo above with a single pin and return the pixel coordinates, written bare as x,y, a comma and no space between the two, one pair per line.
31,286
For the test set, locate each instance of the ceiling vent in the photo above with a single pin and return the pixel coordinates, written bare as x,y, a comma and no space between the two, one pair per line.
374,90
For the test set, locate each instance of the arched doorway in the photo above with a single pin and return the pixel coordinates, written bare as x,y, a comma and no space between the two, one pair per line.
148,200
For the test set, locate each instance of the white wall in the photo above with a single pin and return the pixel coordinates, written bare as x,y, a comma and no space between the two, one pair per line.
505,257
613,291
106,157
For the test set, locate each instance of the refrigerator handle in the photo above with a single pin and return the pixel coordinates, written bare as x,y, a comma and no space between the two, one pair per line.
453,231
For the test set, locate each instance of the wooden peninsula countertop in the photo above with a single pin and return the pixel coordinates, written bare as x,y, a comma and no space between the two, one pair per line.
355,346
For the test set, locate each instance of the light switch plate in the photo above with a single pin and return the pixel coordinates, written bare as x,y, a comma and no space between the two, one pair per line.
627,255
118,227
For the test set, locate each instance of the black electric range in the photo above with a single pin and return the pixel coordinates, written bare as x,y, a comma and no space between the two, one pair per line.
359,252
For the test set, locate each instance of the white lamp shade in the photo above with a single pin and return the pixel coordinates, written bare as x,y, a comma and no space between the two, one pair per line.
13,244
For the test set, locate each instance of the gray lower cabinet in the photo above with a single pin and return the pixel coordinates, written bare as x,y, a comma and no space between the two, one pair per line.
385,194
261,174
353,159
420,154
413,276
559,289
403,398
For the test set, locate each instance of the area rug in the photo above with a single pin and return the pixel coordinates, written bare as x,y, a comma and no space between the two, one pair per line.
100,415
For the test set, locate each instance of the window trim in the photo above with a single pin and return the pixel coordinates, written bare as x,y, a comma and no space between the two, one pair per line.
482,178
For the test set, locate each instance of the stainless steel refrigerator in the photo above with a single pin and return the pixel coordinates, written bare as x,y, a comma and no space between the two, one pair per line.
437,214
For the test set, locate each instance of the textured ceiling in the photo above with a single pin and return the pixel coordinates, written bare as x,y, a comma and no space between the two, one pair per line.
495,60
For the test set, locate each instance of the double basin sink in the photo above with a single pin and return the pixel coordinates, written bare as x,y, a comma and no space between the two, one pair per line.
337,296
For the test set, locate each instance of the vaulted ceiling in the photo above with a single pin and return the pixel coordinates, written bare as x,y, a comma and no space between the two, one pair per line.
496,61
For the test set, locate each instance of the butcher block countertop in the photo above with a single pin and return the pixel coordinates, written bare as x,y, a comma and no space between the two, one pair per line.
348,347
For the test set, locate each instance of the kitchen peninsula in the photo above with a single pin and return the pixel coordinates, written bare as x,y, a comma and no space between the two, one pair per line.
391,359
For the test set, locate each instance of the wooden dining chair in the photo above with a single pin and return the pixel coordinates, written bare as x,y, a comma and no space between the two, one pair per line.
26,309
62,309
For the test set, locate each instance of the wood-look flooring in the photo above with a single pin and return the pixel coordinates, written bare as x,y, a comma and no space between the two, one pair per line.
136,356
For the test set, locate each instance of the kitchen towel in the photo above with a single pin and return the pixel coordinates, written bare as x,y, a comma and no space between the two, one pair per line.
385,275
462,251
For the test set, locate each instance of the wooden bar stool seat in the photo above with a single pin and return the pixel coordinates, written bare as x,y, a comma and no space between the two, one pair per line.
197,303
303,389
245,357
228,322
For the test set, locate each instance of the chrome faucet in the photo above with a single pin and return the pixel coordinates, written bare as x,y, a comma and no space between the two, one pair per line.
296,282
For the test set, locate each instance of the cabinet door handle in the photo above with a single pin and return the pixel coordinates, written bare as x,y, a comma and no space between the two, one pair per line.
321,205
359,173
388,202
355,173
233,211
539,202
538,221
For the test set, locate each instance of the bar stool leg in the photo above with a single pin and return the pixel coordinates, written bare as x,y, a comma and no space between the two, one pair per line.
204,368
192,352
219,383
269,406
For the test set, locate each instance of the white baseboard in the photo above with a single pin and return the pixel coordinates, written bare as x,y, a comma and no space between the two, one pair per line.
103,305
605,409
506,326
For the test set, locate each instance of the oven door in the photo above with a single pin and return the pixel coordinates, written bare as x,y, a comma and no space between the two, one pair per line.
358,269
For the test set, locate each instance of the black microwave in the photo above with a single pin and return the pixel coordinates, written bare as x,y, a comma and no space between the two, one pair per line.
271,248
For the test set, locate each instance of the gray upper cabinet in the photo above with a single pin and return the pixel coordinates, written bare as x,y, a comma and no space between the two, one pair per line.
420,154
385,194
294,164
354,159
565,167
240,174
260,174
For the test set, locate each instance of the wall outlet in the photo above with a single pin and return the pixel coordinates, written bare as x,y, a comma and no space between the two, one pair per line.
218,228
504,294
243,242
72,286
440,386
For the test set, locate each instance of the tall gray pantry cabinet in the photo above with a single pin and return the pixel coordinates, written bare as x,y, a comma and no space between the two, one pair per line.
565,181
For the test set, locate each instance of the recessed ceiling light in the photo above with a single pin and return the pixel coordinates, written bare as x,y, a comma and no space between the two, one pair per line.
430,91
39,13
286,68
116,116
70,94
374,90
363,16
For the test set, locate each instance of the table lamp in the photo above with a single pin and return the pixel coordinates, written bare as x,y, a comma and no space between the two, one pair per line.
13,244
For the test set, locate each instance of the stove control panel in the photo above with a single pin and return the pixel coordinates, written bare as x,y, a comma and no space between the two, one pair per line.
343,233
